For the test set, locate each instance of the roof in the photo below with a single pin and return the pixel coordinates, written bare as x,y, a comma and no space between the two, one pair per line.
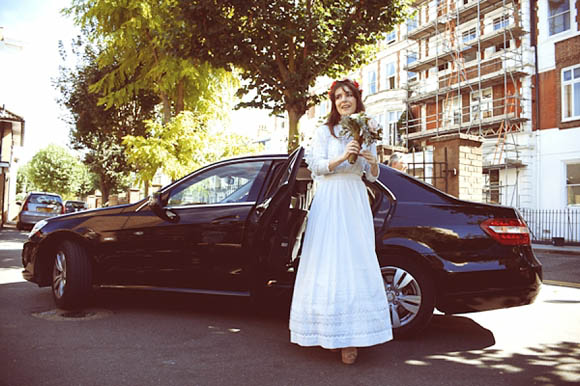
7,115
17,130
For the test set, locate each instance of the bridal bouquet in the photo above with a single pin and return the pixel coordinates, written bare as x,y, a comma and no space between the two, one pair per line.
362,128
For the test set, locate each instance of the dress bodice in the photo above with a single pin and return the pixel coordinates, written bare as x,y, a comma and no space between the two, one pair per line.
325,147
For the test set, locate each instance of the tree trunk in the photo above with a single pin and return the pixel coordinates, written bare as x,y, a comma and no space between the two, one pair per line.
105,190
180,104
294,116
166,108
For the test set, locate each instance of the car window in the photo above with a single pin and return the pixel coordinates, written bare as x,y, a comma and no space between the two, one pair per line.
232,183
44,199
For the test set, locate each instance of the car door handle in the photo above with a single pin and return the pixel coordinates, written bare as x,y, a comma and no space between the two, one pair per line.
222,220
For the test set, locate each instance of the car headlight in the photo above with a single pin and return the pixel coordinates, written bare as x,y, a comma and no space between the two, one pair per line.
38,226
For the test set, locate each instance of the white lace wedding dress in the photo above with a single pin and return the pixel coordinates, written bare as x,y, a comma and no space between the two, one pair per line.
339,298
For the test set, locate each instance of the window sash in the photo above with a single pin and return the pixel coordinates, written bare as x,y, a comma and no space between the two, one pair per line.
571,93
573,183
500,22
558,16
372,79
558,8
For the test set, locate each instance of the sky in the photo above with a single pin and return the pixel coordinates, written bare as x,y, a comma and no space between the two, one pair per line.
26,74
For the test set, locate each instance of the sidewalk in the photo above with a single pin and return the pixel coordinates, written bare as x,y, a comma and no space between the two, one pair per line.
548,248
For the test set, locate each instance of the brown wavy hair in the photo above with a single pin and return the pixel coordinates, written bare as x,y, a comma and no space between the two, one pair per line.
334,116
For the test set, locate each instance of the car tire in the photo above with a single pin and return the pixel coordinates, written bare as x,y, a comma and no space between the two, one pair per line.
411,294
71,276
19,226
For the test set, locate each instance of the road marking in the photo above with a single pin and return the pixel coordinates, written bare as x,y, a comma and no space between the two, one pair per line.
562,283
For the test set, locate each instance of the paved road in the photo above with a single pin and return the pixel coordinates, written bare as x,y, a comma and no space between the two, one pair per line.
136,338
560,268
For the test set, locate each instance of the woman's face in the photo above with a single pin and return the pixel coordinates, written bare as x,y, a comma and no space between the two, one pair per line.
345,101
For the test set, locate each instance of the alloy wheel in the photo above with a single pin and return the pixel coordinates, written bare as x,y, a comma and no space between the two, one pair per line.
403,293
59,275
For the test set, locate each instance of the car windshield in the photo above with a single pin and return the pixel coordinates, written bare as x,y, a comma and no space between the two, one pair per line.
44,199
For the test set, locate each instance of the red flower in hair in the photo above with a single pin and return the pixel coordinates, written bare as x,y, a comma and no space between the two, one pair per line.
354,82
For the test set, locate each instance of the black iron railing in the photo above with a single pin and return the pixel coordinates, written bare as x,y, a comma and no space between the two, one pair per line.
553,226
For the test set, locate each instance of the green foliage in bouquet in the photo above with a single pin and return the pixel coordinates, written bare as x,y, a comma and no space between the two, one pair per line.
362,128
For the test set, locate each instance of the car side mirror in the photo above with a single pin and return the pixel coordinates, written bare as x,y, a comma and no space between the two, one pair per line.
155,203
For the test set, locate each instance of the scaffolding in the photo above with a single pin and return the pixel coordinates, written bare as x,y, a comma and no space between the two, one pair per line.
465,68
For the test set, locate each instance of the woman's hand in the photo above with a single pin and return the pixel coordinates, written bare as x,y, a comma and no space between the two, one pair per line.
372,160
369,156
353,147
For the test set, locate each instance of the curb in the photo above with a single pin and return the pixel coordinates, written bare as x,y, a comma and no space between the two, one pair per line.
557,250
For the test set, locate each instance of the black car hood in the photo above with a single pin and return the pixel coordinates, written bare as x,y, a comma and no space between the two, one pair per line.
93,221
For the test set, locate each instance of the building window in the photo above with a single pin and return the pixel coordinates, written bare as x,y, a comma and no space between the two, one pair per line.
411,57
372,82
500,22
392,133
391,37
571,93
503,46
558,16
390,76
481,105
573,183
412,23
469,56
452,111
469,35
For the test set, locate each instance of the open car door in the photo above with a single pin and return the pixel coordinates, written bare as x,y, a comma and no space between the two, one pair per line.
273,241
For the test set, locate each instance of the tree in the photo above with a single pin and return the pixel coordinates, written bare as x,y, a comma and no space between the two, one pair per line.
283,46
96,130
181,146
138,53
54,169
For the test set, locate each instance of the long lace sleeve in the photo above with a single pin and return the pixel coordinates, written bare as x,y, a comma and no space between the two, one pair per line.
317,152
367,166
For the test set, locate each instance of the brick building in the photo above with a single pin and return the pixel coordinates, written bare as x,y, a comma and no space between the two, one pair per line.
501,77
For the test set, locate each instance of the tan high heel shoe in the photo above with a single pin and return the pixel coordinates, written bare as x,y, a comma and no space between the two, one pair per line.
349,355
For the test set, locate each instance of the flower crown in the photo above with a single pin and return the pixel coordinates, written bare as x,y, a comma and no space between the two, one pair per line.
354,82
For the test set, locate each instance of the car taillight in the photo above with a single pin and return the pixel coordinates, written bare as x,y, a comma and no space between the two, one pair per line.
507,231
25,206
62,209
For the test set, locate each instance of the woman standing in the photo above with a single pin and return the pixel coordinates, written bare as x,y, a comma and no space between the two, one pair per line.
339,298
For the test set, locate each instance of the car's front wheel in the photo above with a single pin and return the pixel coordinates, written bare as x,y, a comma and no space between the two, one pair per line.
71,275
411,296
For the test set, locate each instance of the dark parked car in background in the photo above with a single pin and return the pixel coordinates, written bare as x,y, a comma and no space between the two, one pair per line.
235,228
71,206
38,206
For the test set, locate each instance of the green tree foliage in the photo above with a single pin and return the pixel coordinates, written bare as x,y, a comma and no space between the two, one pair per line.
54,169
138,39
96,130
282,46
181,146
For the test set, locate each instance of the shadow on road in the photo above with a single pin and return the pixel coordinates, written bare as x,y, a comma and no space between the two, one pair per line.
210,340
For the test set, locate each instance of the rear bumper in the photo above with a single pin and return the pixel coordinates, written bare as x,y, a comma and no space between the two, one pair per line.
494,297
31,218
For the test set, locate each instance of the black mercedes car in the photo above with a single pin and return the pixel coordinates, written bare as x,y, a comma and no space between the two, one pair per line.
235,228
